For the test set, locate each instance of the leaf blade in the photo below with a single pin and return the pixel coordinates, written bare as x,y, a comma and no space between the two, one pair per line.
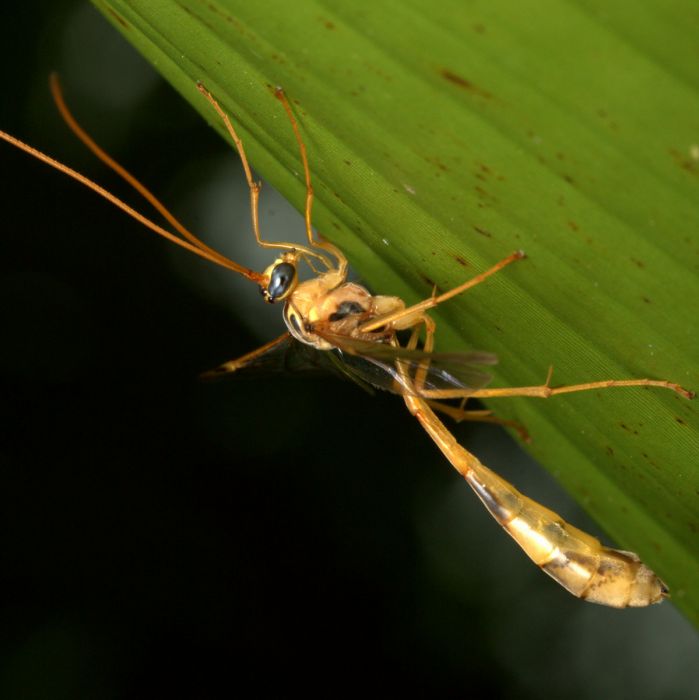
498,134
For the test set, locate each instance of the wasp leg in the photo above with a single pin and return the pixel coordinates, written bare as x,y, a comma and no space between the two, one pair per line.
253,185
240,362
323,245
459,414
408,317
545,390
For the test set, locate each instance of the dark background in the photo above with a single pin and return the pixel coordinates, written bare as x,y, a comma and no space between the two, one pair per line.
163,535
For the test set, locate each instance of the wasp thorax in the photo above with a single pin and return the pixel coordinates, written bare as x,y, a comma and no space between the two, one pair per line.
282,281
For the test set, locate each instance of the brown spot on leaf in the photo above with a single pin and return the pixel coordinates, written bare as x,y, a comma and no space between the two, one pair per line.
118,18
464,84
436,161
482,231
227,18
461,261
686,162
431,283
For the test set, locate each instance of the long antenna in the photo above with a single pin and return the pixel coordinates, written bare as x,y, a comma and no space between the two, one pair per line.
192,244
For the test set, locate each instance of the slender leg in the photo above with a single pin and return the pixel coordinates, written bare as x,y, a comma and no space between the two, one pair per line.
545,390
324,245
423,306
459,414
428,345
406,383
240,362
253,184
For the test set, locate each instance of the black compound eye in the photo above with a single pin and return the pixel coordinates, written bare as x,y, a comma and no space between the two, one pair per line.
281,281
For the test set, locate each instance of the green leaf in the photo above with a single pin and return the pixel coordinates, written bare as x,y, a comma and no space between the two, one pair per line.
442,137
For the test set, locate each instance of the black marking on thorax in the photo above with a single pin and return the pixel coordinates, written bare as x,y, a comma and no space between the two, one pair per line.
346,308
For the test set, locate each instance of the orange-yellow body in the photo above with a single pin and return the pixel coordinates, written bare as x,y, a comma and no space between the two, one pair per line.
327,312
576,560
338,306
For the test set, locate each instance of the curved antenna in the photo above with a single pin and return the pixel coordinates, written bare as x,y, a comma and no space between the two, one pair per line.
229,264
209,253
255,187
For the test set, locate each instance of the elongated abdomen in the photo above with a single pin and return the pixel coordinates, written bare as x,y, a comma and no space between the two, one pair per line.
578,561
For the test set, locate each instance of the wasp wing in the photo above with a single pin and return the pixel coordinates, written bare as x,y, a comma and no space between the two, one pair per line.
286,354
393,368
283,354
368,363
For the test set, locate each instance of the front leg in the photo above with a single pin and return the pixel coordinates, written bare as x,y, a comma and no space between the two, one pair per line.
243,360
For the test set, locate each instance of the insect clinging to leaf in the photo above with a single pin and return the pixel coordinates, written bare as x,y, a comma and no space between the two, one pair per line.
381,341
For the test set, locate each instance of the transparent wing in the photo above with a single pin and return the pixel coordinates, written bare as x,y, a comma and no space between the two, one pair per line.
393,368
286,354
372,365
283,354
